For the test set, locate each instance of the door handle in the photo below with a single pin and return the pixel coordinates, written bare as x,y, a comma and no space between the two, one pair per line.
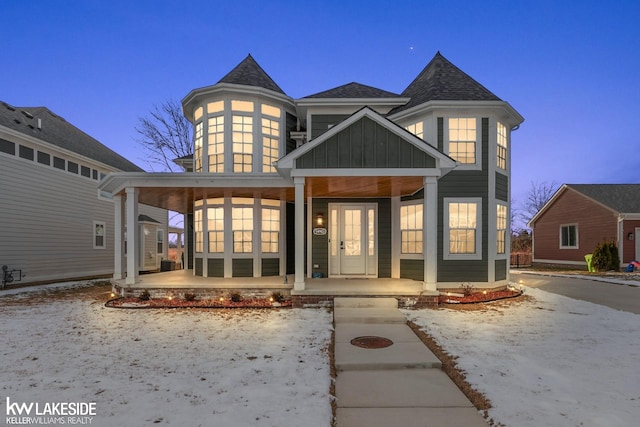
342,244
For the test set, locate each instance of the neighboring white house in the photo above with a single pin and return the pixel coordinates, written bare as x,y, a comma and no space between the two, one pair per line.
54,222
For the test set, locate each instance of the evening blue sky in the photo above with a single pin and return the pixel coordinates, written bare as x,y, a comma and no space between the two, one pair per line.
570,68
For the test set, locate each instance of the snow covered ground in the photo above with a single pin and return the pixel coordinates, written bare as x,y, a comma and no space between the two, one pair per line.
546,361
165,367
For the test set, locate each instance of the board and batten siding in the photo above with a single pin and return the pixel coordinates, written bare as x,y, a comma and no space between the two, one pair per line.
46,225
320,123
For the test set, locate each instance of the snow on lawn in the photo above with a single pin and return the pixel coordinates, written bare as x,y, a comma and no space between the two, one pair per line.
166,367
546,361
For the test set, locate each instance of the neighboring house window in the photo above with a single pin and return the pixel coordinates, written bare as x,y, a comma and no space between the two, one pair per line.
215,227
270,137
501,229
462,237
216,144
242,226
270,230
197,226
416,129
411,228
197,153
160,241
99,235
502,146
462,139
569,236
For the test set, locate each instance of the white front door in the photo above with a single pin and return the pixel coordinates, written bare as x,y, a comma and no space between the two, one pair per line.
352,239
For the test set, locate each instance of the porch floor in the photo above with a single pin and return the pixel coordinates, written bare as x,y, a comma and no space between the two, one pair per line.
324,286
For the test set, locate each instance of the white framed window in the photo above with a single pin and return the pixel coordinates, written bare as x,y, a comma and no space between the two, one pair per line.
569,236
215,144
197,227
160,241
501,146
242,138
197,147
215,229
270,139
270,235
99,235
462,235
417,129
501,229
411,228
463,136
242,226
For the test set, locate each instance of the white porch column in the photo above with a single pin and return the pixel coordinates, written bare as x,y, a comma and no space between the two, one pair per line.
430,233
299,284
118,244
396,237
133,244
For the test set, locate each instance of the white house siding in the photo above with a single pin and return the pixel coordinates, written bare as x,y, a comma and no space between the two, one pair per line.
46,222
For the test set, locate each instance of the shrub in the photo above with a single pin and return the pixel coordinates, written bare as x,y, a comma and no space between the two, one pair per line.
190,296
144,295
605,257
235,297
277,297
467,289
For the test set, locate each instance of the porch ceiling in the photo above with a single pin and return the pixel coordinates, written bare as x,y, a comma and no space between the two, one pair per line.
180,199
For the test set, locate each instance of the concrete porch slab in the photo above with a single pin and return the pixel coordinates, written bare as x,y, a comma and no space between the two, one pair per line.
368,315
365,303
410,388
410,417
402,355
395,332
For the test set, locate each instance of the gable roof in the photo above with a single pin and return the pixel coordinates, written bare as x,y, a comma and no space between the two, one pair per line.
620,198
440,80
249,73
354,90
57,131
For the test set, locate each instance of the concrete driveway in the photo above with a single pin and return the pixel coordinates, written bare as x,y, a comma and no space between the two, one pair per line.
623,297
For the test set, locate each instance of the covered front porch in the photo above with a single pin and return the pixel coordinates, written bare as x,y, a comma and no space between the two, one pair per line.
317,291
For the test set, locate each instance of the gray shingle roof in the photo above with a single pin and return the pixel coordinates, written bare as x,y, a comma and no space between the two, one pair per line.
354,90
622,198
57,131
442,81
249,73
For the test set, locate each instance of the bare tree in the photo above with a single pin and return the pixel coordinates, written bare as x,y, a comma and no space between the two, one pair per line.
538,195
165,135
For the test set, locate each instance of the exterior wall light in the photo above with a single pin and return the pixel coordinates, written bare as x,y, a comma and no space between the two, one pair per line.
320,219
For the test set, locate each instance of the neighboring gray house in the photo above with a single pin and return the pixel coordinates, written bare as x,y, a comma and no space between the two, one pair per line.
54,222
352,182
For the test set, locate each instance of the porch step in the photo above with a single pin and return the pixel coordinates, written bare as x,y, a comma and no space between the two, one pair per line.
368,315
365,303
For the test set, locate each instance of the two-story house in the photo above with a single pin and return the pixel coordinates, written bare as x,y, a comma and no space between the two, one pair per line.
351,182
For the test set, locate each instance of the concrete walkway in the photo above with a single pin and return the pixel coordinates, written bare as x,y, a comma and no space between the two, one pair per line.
402,384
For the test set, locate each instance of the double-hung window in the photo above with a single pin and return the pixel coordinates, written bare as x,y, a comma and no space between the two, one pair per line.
411,230
501,146
463,237
501,228
215,137
99,235
569,236
462,139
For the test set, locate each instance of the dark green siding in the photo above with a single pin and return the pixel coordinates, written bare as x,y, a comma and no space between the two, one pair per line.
198,266
502,187
188,241
291,124
323,122
365,144
242,267
441,134
215,267
412,269
501,269
320,244
466,184
291,247
270,266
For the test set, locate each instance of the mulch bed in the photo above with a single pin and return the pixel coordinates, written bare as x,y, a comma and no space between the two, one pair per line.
134,302
479,297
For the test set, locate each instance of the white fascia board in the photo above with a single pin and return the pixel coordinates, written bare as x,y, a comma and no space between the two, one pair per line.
116,182
514,118
230,88
629,216
434,172
546,205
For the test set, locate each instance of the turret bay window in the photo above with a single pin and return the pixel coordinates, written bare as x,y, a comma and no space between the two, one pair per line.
270,229
197,227
270,137
501,146
417,129
462,236
197,150
215,227
501,228
215,141
462,139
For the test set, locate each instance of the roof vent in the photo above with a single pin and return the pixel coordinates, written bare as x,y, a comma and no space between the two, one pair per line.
9,107
39,123
17,121
27,114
